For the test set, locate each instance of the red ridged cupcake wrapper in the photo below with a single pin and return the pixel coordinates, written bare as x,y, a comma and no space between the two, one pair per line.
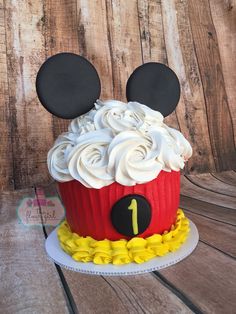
88,210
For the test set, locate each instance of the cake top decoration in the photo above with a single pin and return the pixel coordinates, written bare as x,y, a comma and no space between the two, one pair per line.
111,141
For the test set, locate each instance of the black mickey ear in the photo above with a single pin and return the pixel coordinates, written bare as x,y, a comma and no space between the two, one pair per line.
154,85
67,85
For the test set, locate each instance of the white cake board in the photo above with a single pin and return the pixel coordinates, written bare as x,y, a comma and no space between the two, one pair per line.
57,255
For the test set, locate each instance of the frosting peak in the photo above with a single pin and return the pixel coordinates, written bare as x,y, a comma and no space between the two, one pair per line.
126,143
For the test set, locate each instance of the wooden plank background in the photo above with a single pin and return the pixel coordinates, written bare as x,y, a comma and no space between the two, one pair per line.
197,39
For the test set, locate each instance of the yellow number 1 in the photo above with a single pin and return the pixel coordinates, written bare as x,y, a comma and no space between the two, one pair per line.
133,207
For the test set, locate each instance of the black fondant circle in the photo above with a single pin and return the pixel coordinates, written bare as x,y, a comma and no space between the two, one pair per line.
67,85
154,85
121,215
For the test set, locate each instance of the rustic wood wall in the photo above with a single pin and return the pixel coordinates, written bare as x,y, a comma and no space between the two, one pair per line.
195,38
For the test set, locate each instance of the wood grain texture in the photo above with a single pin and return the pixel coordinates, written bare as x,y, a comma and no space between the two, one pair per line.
228,177
31,127
93,19
151,31
212,273
195,38
206,46
29,282
132,294
183,60
124,41
6,170
211,183
60,35
208,210
153,40
223,14
190,189
217,234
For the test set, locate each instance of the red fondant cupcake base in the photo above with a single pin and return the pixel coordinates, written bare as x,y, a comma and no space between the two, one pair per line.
88,211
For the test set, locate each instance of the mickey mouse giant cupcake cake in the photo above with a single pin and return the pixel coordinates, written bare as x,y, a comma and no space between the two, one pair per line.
118,166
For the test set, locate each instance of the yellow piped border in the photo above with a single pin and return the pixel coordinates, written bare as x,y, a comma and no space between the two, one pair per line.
138,250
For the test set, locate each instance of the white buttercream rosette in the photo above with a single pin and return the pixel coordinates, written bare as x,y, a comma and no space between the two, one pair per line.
87,161
133,158
126,143
56,160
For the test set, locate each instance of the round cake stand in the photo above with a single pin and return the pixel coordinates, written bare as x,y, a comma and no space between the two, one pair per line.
57,255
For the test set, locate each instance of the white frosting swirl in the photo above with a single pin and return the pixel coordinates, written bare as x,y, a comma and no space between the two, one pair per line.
133,158
126,143
56,160
87,161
